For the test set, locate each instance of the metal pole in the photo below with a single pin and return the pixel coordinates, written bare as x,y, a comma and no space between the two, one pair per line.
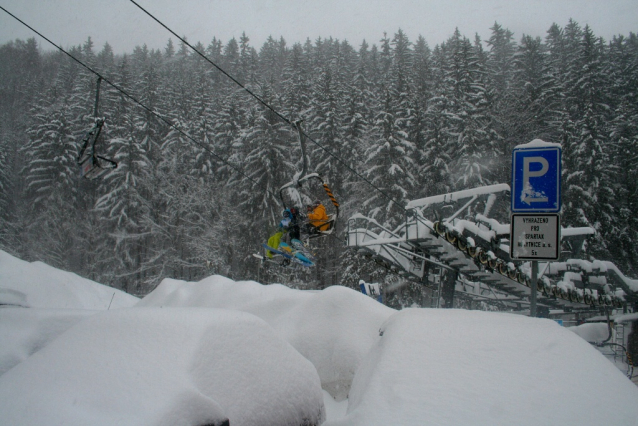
97,97
302,142
384,300
532,306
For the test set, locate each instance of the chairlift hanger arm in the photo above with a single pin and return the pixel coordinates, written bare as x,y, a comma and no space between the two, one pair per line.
93,134
97,97
91,164
302,142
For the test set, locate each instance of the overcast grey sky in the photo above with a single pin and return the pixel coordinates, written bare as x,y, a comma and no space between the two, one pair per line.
124,26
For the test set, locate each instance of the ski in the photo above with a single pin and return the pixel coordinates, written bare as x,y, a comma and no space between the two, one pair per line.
289,256
265,259
301,247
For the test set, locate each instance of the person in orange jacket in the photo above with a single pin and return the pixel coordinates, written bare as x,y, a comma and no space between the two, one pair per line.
317,217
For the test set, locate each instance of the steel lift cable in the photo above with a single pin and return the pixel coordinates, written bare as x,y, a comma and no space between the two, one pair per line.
264,103
132,98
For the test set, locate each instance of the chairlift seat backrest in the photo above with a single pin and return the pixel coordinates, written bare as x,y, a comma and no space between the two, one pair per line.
331,224
88,142
95,166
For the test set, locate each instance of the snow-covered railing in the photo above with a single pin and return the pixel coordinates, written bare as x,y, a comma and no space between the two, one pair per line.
389,248
456,196
477,246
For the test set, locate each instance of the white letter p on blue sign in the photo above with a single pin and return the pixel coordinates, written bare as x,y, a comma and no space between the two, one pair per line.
536,179
528,195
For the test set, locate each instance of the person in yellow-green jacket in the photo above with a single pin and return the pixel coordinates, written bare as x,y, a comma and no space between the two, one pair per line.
287,231
282,229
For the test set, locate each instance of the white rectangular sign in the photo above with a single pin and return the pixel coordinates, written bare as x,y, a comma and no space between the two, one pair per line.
535,236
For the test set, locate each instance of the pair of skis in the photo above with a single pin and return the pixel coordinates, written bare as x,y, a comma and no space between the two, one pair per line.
288,258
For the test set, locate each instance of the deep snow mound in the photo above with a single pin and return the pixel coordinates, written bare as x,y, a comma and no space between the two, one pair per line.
453,367
25,331
164,366
38,285
592,332
333,328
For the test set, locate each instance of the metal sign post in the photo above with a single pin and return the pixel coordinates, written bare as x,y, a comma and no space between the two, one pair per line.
536,191
535,237
532,301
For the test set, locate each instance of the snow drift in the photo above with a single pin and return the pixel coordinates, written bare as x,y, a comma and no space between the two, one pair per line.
177,358
453,367
23,332
37,285
64,298
333,328
171,366
591,332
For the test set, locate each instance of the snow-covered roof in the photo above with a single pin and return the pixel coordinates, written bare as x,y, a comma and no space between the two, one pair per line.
572,232
631,284
625,318
592,332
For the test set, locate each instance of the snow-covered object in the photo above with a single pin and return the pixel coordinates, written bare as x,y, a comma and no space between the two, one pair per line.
453,367
25,331
38,285
333,328
592,332
626,318
538,143
164,366
459,195
609,266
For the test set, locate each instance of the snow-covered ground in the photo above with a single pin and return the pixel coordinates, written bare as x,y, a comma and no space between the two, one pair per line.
199,353
37,285
333,328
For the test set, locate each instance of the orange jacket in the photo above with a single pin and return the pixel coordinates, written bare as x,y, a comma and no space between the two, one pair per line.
318,218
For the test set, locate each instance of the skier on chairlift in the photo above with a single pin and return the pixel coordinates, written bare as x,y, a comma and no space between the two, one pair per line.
317,218
287,237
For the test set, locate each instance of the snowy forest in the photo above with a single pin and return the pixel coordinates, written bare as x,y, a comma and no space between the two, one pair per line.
412,119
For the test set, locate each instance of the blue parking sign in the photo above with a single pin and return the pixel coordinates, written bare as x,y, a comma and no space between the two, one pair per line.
536,176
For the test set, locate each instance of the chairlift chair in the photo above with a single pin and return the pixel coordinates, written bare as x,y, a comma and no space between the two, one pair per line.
91,164
305,177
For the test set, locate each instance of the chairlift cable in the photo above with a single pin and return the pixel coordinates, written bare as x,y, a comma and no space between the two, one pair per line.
261,101
132,98
173,126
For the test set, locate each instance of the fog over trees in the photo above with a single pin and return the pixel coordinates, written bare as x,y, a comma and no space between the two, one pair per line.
413,119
